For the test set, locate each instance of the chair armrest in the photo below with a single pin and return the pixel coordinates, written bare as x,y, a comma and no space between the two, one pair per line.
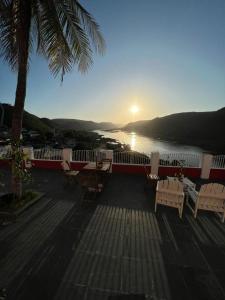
167,191
213,196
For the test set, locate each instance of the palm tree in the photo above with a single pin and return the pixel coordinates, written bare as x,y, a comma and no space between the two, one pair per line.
62,31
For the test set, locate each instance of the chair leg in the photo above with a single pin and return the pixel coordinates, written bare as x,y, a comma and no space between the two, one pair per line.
155,206
223,217
181,210
195,212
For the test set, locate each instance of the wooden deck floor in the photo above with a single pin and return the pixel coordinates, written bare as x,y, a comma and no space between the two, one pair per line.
62,250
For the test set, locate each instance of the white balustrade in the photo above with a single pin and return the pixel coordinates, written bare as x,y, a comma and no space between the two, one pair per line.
218,162
180,160
132,158
48,154
84,155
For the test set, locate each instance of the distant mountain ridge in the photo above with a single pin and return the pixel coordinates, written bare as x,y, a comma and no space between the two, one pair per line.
203,129
82,125
44,125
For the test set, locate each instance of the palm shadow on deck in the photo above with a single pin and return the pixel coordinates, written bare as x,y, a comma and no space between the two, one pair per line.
61,249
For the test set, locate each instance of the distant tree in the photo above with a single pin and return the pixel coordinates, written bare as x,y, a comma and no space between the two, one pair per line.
69,133
62,31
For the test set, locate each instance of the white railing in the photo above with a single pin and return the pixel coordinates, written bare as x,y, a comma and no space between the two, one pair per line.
87,155
5,152
166,159
218,162
180,159
131,158
48,154
83,155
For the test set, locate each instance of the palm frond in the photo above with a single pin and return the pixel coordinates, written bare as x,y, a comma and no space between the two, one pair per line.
63,31
76,36
52,41
12,30
92,27
8,33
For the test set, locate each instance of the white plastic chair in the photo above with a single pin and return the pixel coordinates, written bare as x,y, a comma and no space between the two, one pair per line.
211,197
170,193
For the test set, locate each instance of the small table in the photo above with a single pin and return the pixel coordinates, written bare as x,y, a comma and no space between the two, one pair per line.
99,173
92,167
152,179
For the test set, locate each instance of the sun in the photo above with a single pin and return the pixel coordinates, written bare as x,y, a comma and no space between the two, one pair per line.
134,109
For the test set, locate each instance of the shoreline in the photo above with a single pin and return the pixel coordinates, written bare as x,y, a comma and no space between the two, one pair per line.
173,142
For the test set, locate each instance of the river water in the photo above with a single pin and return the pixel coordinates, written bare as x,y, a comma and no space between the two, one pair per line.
146,144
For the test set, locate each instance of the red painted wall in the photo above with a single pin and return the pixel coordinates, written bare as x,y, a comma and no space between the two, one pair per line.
120,168
46,164
129,169
170,171
53,164
217,174
5,162
77,165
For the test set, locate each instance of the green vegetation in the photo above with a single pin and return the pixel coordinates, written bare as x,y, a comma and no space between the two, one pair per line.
88,140
48,132
30,122
10,203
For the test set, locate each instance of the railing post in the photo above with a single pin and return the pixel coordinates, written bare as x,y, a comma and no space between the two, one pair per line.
155,163
67,154
206,165
29,152
87,155
29,155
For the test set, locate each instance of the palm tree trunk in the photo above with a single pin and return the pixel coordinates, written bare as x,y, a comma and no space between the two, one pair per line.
23,54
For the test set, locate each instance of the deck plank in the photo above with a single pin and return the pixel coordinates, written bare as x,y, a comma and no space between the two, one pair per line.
117,246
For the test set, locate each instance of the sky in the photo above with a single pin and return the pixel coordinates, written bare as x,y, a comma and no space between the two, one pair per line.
162,56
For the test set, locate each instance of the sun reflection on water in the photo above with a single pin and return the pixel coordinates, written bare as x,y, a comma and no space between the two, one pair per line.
132,140
146,144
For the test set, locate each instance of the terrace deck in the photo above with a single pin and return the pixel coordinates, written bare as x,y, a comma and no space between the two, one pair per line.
60,249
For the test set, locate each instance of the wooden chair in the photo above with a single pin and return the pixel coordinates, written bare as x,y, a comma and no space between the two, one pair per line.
104,175
107,160
170,193
70,175
151,179
91,186
211,197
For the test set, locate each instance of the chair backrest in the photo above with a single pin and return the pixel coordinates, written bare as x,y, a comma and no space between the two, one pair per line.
172,185
107,160
213,190
65,165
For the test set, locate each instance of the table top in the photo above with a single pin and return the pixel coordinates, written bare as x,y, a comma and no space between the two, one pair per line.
92,166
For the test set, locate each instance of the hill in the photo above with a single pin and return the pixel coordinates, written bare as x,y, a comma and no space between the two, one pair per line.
82,125
203,129
44,125
30,121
